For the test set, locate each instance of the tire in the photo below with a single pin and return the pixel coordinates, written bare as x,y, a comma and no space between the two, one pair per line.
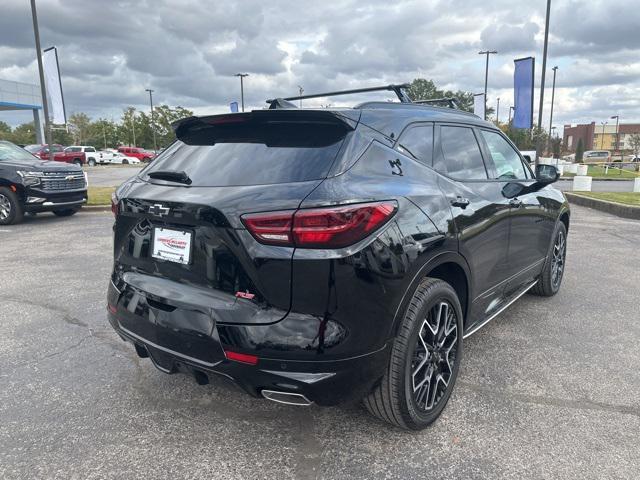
11,210
551,278
125,161
66,212
77,161
398,398
92,162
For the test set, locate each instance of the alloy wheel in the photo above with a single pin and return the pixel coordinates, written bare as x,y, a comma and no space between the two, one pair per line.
557,260
434,356
5,207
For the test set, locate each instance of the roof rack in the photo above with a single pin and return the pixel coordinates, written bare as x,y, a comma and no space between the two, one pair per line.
397,89
449,102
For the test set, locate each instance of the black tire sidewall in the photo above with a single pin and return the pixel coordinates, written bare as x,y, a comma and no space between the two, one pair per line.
419,419
548,268
16,213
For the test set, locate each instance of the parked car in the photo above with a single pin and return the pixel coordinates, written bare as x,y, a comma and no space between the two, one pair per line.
324,256
529,155
139,153
93,156
29,184
121,158
60,154
596,156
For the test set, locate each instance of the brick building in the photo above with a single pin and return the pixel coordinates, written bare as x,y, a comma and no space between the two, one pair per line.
598,137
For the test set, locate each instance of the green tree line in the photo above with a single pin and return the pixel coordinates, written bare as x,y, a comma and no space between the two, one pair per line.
133,128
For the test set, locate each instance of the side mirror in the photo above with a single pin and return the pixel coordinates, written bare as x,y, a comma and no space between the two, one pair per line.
513,189
546,174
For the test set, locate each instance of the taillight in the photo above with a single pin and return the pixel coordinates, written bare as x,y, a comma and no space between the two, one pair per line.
330,227
115,204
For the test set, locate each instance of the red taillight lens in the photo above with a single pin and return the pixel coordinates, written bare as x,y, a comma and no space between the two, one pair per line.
241,357
331,227
271,228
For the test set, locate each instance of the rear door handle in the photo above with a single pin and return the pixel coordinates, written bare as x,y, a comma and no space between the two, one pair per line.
460,202
514,202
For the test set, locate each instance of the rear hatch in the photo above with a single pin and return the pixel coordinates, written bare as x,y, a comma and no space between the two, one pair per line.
182,253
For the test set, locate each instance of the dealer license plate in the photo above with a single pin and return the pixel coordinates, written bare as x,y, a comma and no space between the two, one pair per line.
172,245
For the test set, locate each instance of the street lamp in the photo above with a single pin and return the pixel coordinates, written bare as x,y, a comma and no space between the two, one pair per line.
242,75
617,147
43,89
602,139
544,67
486,77
301,91
155,145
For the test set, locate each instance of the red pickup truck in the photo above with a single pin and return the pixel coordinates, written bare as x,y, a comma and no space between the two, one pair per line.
59,155
137,152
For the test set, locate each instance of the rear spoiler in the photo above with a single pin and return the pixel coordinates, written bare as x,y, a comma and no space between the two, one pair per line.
303,128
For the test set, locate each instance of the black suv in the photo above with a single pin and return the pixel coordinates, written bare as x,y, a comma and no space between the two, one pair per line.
331,255
29,184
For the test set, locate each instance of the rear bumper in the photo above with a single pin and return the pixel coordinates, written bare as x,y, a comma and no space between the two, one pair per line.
322,382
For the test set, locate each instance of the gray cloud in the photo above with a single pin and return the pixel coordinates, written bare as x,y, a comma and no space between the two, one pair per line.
188,50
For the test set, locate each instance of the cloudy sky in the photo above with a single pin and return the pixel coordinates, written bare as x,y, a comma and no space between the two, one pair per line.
188,50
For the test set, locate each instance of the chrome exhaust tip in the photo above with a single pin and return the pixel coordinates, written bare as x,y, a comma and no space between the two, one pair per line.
287,398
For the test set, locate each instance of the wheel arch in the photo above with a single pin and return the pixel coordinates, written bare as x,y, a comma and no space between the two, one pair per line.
564,218
450,267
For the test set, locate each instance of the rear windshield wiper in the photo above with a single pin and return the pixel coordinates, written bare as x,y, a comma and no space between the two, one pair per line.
172,176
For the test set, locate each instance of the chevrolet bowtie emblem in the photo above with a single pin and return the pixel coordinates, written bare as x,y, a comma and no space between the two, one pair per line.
158,210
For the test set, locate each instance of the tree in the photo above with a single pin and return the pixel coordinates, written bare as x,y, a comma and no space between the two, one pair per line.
634,143
579,150
423,89
24,134
5,131
556,146
79,124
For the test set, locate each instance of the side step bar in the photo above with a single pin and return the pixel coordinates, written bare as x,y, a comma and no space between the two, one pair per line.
287,398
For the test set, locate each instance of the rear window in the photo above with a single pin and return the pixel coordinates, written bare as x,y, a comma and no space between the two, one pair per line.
236,164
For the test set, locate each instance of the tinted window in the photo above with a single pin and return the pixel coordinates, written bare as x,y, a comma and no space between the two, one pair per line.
71,149
12,153
417,142
462,157
90,149
226,164
505,159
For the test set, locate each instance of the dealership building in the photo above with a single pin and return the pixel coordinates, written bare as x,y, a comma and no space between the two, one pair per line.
596,136
22,96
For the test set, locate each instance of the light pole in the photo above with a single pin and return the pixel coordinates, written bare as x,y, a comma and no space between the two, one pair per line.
301,91
43,89
498,112
486,77
133,127
602,139
617,147
242,75
153,130
553,96
544,67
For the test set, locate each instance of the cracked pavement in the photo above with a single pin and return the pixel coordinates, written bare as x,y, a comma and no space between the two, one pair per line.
549,389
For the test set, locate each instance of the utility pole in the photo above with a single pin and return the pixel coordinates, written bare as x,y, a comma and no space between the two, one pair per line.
133,127
104,137
617,117
242,75
498,112
153,129
43,89
553,96
301,91
486,77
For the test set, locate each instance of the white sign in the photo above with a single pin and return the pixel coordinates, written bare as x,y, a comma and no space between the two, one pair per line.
54,86
172,245
479,105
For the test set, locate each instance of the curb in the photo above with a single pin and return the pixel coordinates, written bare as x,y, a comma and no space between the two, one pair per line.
96,208
624,211
598,179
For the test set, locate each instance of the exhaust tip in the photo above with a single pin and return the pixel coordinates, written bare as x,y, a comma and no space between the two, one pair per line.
287,398
141,351
201,377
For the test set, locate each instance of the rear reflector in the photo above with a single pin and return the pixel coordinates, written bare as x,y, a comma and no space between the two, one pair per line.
331,227
114,204
242,357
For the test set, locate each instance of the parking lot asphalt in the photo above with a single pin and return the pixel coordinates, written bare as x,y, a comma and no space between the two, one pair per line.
548,390
110,175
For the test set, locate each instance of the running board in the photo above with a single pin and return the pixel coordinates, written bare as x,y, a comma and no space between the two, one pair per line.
502,309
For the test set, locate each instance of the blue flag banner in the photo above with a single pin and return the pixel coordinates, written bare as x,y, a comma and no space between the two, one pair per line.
234,107
523,92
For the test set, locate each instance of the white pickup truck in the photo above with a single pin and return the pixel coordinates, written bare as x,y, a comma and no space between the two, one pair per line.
93,156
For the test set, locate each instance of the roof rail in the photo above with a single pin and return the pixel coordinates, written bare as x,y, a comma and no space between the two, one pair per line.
450,102
397,89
